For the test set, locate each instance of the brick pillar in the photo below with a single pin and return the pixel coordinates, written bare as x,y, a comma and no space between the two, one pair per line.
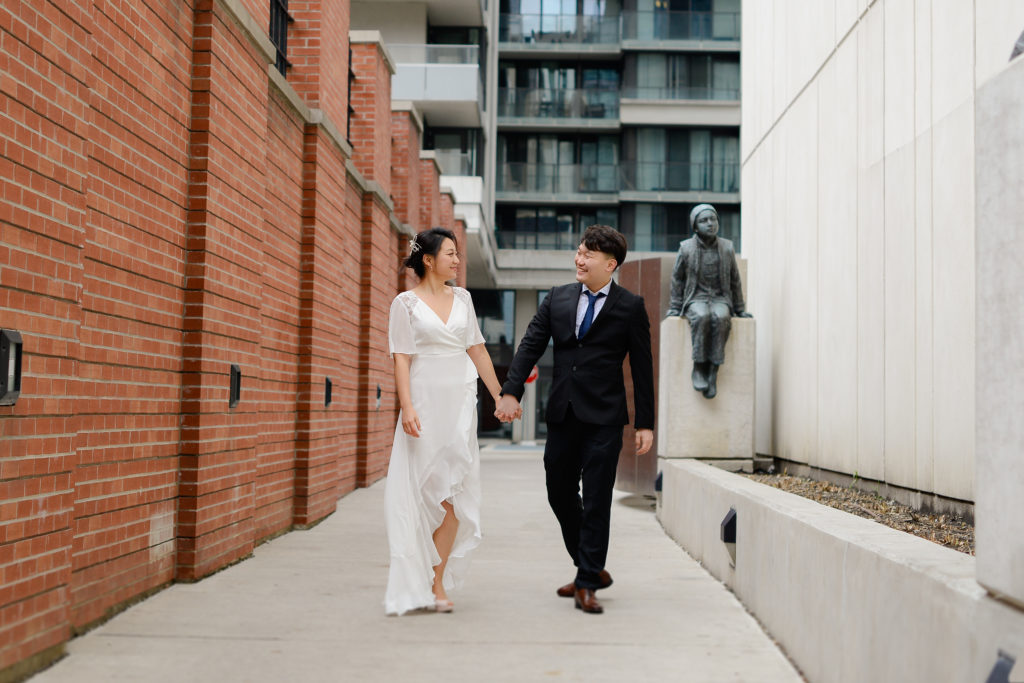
406,131
430,199
372,146
222,294
329,287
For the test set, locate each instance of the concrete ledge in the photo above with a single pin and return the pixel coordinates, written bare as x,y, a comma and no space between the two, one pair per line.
848,599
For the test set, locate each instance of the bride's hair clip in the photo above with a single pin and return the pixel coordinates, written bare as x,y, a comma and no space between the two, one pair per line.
414,246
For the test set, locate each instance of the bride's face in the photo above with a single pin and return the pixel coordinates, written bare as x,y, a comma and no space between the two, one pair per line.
446,261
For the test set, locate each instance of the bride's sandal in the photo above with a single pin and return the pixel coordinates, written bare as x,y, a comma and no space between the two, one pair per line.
443,605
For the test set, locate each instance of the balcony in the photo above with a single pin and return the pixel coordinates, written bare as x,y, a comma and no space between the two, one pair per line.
444,81
681,93
560,240
558,33
592,108
663,27
455,162
722,179
568,240
563,182
679,106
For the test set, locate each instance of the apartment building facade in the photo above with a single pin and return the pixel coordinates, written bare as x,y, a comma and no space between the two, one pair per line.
547,116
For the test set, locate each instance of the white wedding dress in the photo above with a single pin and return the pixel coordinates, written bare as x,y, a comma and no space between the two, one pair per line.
444,462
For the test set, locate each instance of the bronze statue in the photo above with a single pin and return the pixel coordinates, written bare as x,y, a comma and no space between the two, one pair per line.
706,289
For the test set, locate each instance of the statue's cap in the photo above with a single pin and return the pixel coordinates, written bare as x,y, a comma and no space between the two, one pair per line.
697,211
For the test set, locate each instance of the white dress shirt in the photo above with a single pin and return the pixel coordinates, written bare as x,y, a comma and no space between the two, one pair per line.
581,307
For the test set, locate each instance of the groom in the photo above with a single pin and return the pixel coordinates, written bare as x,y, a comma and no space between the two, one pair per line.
594,324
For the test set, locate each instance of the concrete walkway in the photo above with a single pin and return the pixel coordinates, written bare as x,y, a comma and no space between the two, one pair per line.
308,607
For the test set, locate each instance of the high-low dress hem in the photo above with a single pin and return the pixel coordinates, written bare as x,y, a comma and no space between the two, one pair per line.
443,463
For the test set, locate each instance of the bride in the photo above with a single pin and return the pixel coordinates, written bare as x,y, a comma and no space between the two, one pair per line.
432,494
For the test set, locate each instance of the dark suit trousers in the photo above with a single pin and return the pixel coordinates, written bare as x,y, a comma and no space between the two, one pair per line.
578,450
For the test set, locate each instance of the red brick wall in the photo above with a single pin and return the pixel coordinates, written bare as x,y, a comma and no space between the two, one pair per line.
130,371
44,162
167,213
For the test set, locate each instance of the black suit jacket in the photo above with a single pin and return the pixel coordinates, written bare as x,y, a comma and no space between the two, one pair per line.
588,371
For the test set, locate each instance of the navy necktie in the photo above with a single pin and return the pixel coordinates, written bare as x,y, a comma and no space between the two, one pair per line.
588,317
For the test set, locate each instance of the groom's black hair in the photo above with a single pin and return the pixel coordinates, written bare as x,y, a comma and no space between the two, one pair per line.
427,243
606,239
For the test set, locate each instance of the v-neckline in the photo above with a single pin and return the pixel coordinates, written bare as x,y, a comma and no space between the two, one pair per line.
436,314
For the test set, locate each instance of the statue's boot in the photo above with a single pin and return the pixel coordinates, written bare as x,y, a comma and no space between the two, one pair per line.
700,376
712,381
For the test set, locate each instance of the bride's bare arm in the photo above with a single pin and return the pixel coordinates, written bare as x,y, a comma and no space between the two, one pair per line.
482,360
410,420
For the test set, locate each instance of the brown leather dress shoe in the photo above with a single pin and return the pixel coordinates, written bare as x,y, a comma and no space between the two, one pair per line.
587,601
569,589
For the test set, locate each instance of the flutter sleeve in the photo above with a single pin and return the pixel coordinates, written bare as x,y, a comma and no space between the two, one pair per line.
473,334
400,334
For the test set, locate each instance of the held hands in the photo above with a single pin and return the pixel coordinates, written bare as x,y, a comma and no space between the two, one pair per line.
411,423
508,408
644,440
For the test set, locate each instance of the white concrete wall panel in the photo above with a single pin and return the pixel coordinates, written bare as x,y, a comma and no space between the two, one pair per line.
837,262
797,267
922,66
953,263
924,318
846,14
888,160
1000,327
998,24
900,321
757,238
756,70
870,88
952,31
898,82
871,322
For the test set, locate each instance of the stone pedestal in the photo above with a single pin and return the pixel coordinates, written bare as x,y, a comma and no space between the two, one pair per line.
691,426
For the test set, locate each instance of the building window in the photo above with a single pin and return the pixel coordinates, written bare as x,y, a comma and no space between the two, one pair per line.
544,227
279,20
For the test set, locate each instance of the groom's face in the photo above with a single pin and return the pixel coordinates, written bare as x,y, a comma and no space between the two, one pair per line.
594,268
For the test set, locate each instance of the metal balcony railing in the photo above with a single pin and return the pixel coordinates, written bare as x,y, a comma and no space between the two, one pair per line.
548,29
669,176
558,178
664,25
681,93
546,103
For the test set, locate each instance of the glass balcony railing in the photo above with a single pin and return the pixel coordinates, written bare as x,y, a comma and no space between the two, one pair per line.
435,54
558,178
569,240
654,176
553,29
455,162
537,240
681,93
547,103
664,25
438,73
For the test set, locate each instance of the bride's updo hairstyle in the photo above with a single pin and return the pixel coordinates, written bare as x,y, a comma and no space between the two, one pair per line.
427,243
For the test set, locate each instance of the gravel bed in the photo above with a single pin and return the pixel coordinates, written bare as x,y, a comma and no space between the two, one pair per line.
946,530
